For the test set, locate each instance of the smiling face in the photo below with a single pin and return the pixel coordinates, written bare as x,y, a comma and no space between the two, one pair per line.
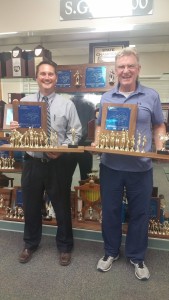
127,70
46,79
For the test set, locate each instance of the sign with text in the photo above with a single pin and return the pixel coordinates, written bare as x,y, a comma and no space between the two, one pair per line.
85,9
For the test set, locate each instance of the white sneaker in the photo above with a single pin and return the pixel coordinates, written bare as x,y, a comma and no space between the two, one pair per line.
141,271
105,263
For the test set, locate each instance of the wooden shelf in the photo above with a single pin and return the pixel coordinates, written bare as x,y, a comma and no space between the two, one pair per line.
86,225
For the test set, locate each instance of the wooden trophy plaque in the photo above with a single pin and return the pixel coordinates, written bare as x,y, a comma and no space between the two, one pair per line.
117,117
30,115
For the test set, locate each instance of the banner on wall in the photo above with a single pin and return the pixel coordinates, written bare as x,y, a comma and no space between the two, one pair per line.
90,9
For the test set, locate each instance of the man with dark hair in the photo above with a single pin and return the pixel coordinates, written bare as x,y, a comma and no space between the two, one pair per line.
49,173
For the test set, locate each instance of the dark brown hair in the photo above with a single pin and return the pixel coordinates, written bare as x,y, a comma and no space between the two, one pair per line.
46,62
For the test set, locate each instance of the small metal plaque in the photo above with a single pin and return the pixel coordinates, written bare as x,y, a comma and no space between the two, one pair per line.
16,67
95,77
155,208
30,114
118,117
19,199
64,79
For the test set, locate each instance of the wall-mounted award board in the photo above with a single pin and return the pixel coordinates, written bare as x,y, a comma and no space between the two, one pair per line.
85,78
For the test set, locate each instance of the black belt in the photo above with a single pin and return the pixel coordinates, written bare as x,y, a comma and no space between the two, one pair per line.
43,160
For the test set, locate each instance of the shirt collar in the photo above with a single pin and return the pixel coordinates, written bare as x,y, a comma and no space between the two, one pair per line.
50,97
139,89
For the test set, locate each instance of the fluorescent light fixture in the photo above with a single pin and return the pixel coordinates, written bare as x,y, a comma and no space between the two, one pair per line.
6,33
115,27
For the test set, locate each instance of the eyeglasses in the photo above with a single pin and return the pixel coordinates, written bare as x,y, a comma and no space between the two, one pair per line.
129,67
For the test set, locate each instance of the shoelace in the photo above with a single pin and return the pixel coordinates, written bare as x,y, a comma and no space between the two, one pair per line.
141,265
105,257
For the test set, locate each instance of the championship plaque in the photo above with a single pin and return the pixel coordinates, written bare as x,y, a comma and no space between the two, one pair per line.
35,57
105,52
30,115
18,199
5,61
17,65
64,79
119,117
95,77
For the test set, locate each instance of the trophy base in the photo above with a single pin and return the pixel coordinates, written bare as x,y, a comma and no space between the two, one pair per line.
72,146
165,152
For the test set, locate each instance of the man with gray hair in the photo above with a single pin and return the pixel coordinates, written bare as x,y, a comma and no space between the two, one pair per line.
134,174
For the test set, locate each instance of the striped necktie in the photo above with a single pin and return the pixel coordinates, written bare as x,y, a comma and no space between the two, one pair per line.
45,99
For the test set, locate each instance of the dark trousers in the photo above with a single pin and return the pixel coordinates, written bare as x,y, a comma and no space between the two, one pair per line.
51,177
139,187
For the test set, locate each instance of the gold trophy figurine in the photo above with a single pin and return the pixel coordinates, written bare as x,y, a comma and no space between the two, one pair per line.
73,145
111,77
77,76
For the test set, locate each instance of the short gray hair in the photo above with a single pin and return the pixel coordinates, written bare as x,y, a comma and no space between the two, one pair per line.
127,52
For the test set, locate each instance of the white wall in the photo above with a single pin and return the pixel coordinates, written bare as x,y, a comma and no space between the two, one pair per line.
30,15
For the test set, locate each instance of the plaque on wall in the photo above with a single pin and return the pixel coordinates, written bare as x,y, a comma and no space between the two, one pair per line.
35,57
16,66
30,114
5,58
118,117
105,52
95,77
85,78
64,79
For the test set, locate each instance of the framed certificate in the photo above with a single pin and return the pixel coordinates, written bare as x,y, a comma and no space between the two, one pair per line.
105,52
30,115
118,117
